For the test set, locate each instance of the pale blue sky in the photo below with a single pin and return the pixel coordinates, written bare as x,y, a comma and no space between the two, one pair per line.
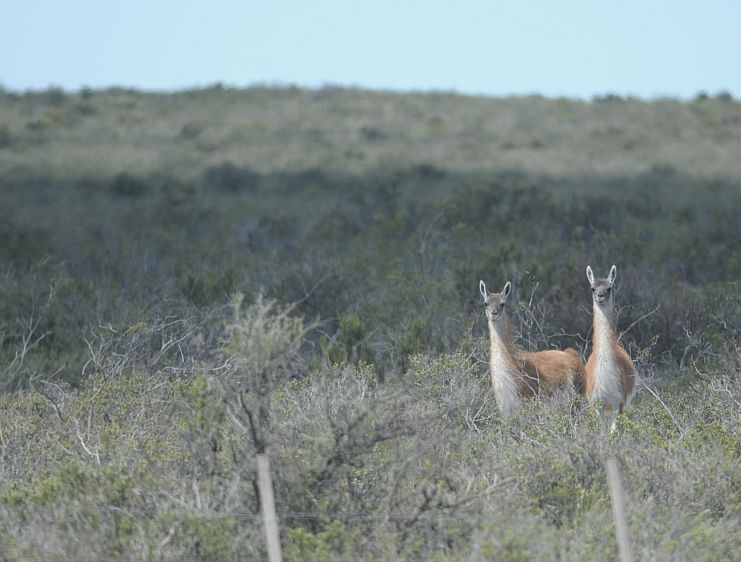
574,48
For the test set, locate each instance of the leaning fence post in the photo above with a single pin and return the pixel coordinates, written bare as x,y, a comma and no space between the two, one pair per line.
618,510
267,502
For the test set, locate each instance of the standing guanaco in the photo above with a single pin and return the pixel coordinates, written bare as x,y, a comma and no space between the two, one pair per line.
517,374
610,373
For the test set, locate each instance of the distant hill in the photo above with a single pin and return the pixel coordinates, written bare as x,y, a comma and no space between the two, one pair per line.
111,131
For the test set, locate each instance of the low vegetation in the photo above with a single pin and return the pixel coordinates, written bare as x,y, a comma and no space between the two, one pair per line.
189,280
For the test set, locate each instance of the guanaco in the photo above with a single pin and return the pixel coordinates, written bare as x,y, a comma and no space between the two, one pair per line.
516,374
610,373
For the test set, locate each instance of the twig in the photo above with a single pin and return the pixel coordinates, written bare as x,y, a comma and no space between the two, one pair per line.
471,420
636,322
309,292
668,411
84,446
50,399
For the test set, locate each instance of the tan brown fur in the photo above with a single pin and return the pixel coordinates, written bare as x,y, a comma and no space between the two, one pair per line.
555,369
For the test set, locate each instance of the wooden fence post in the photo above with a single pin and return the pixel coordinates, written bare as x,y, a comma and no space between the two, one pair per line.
267,501
618,510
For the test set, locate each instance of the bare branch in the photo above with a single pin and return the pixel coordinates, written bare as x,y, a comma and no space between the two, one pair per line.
637,321
93,454
668,411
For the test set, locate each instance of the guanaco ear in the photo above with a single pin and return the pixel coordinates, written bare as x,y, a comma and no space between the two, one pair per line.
482,289
590,276
613,274
506,290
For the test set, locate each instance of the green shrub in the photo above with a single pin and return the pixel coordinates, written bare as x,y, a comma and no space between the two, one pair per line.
332,543
228,177
125,185
210,288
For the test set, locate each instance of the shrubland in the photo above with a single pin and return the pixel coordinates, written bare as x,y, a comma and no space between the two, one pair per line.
188,280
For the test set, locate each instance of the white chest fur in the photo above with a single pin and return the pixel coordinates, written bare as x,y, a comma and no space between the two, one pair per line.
607,377
503,377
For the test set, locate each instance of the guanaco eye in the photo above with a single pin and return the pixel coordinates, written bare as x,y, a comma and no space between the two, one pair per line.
486,304
593,289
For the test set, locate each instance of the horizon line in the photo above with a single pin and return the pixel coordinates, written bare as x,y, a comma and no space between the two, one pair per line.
597,96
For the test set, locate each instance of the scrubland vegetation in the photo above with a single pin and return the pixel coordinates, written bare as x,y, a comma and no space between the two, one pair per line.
189,279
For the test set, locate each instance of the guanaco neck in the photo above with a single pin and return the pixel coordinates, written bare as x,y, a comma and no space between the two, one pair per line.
502,360
500,333
605,370
604,329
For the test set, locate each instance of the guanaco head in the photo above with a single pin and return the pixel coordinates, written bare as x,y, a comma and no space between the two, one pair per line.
494,302
602,288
